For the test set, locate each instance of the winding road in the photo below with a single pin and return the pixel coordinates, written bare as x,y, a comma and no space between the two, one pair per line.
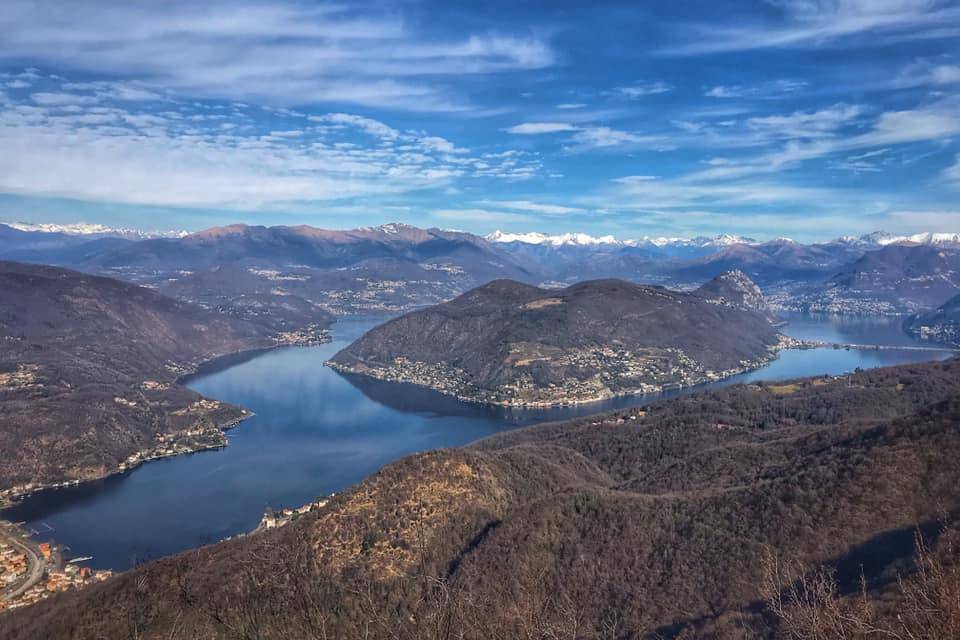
8,533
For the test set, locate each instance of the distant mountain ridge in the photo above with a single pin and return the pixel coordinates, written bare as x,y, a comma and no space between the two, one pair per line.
93,230
394,268
515,344
877,238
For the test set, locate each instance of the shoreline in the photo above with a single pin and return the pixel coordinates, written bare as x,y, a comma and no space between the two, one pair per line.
127,466
785,343
206,367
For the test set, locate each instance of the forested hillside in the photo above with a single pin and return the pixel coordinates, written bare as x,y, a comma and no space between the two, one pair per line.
671,522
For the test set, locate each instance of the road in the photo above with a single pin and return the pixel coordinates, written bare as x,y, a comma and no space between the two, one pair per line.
9,533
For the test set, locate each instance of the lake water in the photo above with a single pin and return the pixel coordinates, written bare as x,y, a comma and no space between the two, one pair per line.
316,431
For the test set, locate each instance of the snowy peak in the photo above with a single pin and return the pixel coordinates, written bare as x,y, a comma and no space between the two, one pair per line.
882,239
95,230
560,240
586,240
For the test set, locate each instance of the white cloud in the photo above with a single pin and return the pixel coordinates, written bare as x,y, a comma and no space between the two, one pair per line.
571,105
733,91
645,89
774,89
606,137
368,125
924,73
194,155
802,124
59,99
538,128
282,52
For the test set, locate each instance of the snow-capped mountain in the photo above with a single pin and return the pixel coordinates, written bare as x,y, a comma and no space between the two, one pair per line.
560,240
586,240
87,229
882,239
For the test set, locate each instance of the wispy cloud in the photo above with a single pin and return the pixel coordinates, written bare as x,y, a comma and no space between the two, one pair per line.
540,128
931,123
533,207
952,173
475,215
806,124
825,23
775,89
600,137
273,52
368,125
643,89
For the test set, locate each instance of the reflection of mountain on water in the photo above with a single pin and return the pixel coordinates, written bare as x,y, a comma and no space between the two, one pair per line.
45,501
411,398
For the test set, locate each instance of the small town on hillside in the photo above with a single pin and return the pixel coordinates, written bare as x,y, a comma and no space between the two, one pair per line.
31,571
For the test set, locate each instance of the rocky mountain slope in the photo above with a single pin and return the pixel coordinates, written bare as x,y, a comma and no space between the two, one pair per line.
663,523
512,343
734,288
88,371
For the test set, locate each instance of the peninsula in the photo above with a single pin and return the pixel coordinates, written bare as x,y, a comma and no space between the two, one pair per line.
508,343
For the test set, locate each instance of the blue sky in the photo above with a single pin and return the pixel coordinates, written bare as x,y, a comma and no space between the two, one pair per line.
801,118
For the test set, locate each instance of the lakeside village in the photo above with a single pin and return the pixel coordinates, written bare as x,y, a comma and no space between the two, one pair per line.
309,336
616,372
276,518
31,571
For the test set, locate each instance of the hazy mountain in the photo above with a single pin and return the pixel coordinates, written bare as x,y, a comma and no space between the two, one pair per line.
654,523
382,269
941,325
905,276
93,230
297,246
88,371
513,343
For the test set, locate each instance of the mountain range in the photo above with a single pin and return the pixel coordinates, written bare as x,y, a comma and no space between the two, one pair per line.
394,268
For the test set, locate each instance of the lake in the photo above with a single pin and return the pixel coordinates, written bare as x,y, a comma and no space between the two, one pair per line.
316,431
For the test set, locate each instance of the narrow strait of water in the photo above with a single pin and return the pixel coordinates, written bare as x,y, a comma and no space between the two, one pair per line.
316,432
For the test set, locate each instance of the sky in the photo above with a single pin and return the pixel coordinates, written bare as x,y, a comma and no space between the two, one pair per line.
809,119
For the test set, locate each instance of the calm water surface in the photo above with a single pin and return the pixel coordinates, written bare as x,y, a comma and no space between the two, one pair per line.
316,431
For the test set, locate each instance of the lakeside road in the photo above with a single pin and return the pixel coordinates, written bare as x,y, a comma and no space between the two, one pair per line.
10,533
